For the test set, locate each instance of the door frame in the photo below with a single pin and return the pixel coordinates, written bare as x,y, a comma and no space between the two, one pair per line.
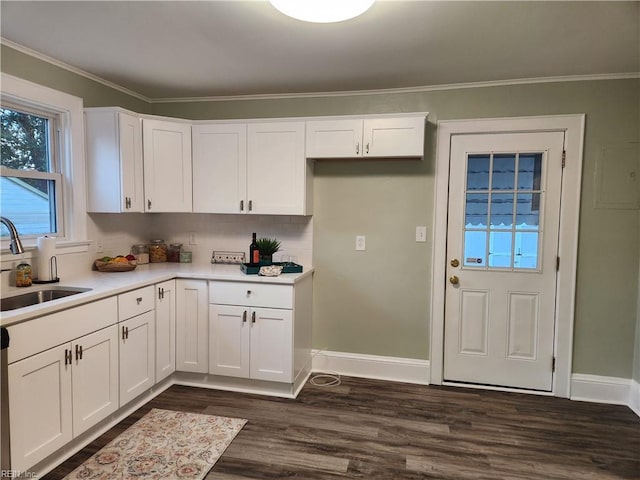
573,128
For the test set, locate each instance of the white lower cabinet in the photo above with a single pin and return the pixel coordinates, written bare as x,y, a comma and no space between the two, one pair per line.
165,329
192,326
251,341
136,316
60,393
137,356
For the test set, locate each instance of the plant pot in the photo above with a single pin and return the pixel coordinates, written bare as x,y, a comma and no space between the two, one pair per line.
266,260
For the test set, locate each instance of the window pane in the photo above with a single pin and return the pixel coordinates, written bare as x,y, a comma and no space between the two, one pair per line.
30,207
528,211
476,210
504,172
501,211
475,248
24,140
478,172
500,249
529,171
526,250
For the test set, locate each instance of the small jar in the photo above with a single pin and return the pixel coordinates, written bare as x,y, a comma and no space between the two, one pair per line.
185,257
173,254
23,275
141,252
157,251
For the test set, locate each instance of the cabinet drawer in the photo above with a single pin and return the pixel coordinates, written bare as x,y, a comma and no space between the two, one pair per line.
135,302
251,294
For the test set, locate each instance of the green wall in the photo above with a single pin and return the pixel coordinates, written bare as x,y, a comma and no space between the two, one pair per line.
377,302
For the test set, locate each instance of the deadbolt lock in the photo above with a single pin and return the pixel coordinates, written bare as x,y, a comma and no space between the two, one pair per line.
454,262
454,280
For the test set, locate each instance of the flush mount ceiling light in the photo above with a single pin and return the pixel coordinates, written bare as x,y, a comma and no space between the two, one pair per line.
322,11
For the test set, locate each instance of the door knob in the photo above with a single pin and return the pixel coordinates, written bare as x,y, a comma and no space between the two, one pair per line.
454,262
454,280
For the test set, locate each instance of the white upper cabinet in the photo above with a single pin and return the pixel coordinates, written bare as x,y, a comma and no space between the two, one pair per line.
279,180
167,165
257,168
381,137
219,168
114,161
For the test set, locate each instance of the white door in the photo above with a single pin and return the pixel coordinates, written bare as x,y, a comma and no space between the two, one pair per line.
39,406
192,326
130,133
95,378
276,168
137,356
167,166
220,168
502,246
271,345
229,340
165,329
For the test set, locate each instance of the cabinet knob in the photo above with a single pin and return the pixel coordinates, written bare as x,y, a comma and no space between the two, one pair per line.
139,300
248,292
244,317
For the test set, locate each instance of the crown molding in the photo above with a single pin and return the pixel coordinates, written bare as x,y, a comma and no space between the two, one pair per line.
72,69
346,93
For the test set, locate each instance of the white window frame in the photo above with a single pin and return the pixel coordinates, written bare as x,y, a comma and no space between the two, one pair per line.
72,236
54,164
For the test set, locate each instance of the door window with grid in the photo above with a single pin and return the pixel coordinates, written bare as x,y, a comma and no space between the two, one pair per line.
503,211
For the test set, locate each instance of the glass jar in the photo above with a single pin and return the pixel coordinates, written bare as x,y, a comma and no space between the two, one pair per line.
141,252
157,251
23,275
173,254
185,257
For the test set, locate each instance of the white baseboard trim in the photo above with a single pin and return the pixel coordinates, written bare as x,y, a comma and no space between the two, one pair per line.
408,370
634,400
601,389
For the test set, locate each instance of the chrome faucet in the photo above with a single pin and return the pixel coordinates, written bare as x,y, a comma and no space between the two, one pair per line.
16,245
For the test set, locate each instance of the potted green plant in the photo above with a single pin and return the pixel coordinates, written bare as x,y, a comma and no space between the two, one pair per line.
267,247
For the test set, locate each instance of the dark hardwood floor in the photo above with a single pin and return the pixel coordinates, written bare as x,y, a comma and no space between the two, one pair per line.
372,430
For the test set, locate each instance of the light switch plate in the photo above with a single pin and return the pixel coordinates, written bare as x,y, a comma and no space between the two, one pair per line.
421,234
361,242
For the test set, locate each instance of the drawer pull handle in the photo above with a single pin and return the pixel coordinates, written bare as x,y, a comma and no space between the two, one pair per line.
78,352
139,300
125,333
67,356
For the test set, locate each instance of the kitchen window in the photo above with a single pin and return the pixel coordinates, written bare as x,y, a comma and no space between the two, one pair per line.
31,182
42,164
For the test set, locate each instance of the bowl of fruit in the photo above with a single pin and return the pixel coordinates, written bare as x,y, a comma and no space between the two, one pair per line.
116,264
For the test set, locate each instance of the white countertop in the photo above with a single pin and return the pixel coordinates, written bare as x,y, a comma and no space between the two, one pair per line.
103,284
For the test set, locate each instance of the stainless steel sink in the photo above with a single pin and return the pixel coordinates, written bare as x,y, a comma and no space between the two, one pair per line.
38,296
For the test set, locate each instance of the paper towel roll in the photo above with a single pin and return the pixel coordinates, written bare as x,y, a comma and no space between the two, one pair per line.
46,248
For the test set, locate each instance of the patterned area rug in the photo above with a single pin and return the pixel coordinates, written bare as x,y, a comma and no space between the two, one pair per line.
163,444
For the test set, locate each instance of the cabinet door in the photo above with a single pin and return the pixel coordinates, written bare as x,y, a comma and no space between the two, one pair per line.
40,406
137,356
334,138
165,329
272,345
167,166
114,161
192,326
219,168
130,144
277,169
229,332
394,137
95,378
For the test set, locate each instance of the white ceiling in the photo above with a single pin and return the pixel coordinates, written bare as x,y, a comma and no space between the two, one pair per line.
170,49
